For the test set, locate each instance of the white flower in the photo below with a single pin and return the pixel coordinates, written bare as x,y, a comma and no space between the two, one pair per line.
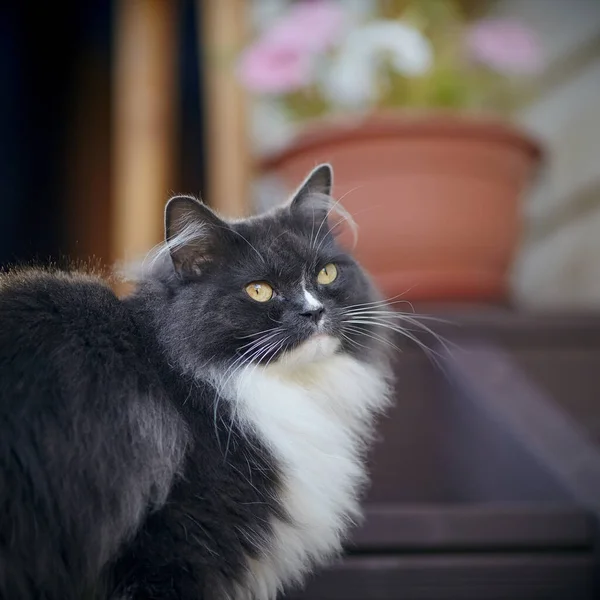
351,81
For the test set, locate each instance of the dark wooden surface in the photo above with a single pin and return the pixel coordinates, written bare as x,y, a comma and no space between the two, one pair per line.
500,576
486,479
471,527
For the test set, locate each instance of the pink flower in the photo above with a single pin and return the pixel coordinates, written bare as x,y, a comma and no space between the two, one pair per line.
282,59
505,46
311,25
275,68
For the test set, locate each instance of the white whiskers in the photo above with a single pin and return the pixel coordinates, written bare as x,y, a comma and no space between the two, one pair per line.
378,315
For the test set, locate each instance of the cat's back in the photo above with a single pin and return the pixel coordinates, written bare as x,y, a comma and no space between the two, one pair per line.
50,321
36,301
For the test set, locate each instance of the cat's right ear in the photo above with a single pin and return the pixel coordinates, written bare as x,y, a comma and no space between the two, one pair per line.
194,234
318,182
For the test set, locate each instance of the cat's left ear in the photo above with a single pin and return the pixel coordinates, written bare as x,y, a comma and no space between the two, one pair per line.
319,182
194,234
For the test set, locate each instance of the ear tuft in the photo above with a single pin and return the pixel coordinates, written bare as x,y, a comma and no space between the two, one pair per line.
194,235
318,182
312,199
310,205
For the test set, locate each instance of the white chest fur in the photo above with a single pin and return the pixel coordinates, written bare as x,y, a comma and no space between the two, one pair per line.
315,419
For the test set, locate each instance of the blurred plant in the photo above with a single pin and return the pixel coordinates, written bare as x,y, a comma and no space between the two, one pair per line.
322,58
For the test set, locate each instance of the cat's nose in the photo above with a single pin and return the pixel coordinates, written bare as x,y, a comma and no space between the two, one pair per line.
314,314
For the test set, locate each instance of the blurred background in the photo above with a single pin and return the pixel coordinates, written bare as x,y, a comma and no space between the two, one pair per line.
77,80
465,137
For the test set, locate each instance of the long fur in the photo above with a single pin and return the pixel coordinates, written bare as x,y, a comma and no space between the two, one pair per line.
188,442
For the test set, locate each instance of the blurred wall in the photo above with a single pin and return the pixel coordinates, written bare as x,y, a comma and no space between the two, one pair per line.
559,263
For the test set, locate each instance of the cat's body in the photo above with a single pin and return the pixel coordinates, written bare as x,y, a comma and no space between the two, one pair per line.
187,442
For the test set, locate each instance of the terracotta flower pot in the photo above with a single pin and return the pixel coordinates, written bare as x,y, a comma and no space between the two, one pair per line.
436,198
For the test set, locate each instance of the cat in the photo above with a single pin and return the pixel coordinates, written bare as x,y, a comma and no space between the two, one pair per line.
203,437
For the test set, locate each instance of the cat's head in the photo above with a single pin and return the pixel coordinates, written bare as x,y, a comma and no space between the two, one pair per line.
276,288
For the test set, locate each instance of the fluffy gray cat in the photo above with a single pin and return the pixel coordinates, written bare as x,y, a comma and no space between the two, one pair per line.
203,438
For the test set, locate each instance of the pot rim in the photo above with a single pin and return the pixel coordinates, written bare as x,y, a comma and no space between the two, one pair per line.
405,124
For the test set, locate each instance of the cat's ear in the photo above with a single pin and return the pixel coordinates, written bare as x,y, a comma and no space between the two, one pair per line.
194,234
318,183
313,206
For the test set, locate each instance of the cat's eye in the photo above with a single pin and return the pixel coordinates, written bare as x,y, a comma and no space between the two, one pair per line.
260,291
328,274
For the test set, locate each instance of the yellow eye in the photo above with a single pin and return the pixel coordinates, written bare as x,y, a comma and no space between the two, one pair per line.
260,291
327,274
